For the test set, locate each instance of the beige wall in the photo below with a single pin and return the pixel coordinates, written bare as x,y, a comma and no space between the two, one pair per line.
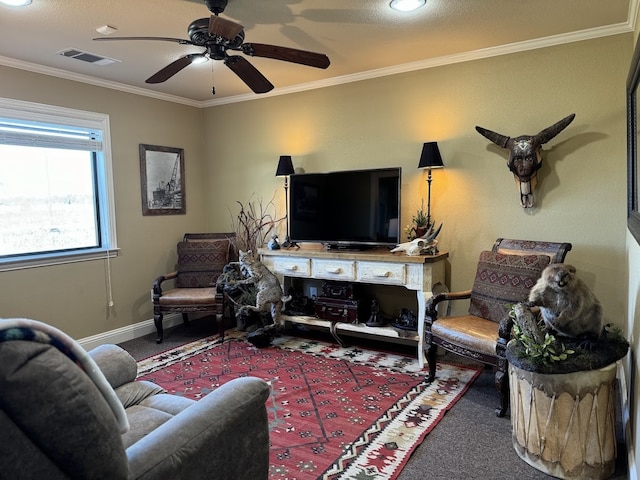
73,297
383,122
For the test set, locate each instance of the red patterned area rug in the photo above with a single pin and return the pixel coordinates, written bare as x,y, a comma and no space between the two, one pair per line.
334,412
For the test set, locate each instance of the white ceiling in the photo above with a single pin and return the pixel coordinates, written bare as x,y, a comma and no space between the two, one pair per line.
363,38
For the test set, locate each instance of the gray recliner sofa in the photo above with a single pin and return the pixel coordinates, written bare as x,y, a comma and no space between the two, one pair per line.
65,414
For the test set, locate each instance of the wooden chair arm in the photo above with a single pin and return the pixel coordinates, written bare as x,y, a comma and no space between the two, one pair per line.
430,307
157,283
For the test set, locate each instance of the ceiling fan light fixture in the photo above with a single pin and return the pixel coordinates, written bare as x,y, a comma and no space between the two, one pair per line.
199,59
406,5
16,3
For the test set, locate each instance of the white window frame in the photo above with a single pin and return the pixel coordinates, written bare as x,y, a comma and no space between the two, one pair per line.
37,112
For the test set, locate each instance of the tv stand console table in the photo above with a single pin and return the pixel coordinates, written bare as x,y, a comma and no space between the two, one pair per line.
377,267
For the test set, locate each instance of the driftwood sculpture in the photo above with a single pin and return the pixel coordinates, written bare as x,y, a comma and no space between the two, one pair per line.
525,156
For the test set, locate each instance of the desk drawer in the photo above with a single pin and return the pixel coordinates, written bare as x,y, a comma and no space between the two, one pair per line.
382,273
334,269
292,266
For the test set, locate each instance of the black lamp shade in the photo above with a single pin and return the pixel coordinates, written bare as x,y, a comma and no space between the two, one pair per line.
285,166
430,157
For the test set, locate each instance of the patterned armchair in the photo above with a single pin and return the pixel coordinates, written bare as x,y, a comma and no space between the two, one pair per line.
504,277
201,259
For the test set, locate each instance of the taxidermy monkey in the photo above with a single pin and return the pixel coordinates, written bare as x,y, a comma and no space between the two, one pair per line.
566,303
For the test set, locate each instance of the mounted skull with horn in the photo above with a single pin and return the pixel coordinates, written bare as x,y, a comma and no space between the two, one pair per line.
525,155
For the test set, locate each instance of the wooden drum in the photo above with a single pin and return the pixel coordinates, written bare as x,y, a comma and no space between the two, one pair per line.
564,424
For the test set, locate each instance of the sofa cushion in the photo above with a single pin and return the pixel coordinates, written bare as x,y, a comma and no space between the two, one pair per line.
133,393
143,420
200,263
150,413
503,280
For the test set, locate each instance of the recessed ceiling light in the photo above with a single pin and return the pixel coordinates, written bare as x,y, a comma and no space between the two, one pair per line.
406,5
16,3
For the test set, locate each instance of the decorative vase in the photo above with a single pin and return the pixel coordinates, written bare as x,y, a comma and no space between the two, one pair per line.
564,424
420,231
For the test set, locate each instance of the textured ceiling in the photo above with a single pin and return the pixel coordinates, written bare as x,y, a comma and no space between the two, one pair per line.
363,38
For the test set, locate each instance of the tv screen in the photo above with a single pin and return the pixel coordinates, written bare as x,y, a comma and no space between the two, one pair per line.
349,209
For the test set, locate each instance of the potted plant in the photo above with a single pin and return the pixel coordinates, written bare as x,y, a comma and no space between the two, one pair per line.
420,223
562,393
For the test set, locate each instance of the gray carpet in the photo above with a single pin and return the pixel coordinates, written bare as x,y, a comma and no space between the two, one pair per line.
470,442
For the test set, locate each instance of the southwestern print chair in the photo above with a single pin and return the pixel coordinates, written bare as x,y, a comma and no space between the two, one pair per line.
201,259
503,278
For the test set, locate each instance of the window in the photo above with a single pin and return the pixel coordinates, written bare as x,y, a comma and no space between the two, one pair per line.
56,187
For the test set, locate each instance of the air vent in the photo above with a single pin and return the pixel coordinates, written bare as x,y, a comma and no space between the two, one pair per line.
87,57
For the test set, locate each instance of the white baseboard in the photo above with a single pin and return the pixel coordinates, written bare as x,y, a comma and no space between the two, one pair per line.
129,332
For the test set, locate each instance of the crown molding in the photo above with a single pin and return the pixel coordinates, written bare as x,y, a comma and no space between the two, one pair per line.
98,82
507,49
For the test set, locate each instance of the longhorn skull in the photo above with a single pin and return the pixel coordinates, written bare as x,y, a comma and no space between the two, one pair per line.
524,155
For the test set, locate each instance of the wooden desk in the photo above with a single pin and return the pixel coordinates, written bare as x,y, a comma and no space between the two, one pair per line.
376,267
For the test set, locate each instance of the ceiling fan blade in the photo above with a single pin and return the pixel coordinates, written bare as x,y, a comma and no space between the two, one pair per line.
181,41
170,70
248,74
221,27
318,60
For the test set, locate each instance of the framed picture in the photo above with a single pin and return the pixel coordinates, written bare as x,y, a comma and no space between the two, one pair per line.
162,180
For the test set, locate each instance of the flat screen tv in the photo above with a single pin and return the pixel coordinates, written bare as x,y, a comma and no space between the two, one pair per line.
347,209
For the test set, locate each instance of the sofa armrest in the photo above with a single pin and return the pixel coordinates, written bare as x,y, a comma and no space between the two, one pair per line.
223,435
117,365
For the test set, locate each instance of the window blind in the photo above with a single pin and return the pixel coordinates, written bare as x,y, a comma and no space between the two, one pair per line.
27,133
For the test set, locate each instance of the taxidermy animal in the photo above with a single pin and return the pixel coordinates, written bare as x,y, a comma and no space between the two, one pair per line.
269,291
424,245
419,246
566,304
525,157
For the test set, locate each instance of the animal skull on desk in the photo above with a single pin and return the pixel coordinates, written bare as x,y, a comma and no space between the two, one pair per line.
525,155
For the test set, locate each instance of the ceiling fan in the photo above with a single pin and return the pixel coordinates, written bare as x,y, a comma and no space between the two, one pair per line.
218,36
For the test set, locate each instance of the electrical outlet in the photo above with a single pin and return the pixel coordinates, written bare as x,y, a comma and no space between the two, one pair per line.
313,292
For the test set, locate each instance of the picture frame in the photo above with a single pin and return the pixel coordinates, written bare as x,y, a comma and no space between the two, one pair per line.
162,182
633,175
